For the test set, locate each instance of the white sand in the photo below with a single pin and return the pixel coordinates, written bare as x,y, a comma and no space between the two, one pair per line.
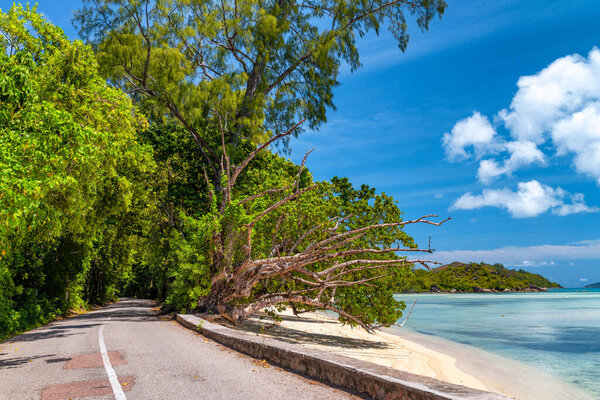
325,333
418,354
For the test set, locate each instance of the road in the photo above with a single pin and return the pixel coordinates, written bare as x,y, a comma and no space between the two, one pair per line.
146,358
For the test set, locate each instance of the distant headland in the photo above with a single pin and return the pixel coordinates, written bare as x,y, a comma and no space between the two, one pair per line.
593,286
460,277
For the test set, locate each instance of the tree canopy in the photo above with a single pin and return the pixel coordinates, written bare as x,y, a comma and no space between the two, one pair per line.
70,173
256,68
141,165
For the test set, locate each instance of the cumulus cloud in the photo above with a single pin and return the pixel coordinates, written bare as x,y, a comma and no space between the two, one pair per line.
521,154
558,107
472,136
565,86
579,134
475,137
529,200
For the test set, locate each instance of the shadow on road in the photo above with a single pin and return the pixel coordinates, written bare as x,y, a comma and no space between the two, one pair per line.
18,361
57,360
125,310
41,333
128,309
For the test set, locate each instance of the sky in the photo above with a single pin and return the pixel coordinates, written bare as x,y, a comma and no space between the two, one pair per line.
492,117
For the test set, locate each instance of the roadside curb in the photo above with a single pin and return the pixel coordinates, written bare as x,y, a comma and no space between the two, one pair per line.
368,379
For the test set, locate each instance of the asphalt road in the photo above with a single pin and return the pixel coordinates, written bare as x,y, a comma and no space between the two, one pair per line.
147,359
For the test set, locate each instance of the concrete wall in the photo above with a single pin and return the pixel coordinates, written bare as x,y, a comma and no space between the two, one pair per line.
368,379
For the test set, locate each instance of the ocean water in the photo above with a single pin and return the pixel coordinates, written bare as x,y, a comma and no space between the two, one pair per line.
556,331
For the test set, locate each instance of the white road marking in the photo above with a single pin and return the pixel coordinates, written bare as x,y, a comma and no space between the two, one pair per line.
112,376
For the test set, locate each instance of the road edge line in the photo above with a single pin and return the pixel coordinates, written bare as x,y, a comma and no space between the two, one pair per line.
112,376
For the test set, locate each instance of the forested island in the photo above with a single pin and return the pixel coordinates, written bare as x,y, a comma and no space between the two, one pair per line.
459,277
592,286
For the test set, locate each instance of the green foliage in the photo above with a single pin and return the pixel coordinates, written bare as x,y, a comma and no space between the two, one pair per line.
172,266
470,277
336,199
257,66
179,260
70,184
94,202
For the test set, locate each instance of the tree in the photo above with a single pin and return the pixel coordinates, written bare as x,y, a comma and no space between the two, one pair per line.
239,77
71,174
322,245
255,68
289,240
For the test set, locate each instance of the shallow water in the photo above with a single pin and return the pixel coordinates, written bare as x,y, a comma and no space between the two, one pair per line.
556,331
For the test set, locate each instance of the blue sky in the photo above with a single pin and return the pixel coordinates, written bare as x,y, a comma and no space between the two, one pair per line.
427,127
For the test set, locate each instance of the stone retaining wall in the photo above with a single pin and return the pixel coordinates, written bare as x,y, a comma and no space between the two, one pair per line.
368,379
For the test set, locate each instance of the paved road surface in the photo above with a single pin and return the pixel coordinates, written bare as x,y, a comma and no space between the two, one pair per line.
148,359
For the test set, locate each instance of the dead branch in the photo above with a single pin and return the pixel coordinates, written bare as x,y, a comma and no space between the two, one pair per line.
301,168
238,169
266,192
424,219
280,203
409,312
322,259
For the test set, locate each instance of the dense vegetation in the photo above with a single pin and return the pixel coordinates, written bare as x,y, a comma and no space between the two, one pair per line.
141,166
72,185
474,277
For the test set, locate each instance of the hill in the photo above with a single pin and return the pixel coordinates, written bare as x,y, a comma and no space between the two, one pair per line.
476,278
593,286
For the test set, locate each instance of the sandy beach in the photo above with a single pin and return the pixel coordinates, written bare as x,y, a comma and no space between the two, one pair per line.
419,354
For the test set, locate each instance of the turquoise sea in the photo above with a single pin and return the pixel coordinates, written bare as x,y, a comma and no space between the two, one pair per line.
556,331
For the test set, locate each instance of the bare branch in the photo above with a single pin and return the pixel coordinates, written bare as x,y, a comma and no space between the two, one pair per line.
226,160
367,262
237,170
266,192
423,219
280,203
301,168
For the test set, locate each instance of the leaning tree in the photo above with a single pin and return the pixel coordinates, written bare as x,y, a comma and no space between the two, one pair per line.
292,241
239,76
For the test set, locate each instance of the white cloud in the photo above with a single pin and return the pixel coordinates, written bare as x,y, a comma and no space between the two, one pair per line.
530,200
583,279
531,263
521,154
560,89
488,170
588,242
559,107
579,133
514,255
474,134
577,206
